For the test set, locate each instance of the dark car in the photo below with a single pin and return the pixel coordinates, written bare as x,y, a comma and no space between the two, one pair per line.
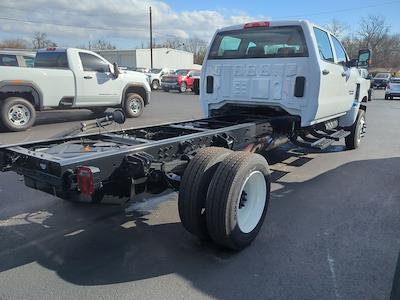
381,80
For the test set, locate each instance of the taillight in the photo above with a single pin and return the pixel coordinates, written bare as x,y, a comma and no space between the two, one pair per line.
256,24
51,49
85,179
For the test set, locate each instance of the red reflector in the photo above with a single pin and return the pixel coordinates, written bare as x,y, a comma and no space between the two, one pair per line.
51,49
256,24
84,176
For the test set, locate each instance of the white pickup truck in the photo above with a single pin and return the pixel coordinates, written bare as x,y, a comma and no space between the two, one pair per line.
285,67
67,78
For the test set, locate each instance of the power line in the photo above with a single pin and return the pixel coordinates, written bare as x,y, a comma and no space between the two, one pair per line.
87,27
341,10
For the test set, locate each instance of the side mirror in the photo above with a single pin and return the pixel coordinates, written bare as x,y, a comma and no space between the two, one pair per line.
114,70
364,58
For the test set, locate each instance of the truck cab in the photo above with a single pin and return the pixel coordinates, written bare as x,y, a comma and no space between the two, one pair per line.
284,67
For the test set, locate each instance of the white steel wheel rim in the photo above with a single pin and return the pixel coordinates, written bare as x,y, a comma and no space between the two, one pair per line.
362,129
135,106
19,114
251,202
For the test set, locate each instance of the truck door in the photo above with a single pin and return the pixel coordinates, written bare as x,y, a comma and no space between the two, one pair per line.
96,86
349,75
335,93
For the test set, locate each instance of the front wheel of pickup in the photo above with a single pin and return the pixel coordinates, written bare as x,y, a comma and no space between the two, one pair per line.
133,106
357,131
17,114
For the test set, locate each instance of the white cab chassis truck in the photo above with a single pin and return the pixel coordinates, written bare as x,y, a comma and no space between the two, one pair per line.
262,84
68,78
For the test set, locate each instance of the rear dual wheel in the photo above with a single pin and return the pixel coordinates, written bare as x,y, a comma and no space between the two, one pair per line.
229,201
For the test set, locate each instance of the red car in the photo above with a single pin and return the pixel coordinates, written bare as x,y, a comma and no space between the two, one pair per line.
182,80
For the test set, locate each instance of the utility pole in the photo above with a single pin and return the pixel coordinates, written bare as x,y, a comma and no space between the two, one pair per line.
151,40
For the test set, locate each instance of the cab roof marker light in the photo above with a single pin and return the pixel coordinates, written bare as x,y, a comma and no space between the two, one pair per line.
257,24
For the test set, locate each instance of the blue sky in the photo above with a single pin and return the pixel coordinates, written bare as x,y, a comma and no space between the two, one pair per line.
125,22
317,11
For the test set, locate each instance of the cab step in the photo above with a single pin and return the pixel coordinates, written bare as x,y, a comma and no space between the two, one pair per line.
319,139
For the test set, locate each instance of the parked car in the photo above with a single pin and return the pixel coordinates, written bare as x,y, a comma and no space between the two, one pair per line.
381,80
67,78
182,80
17,58
392,88
155,76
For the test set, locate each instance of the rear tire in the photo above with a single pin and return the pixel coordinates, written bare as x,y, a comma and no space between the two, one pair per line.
183,87
237,200
17,114
194,186
133,105
357,131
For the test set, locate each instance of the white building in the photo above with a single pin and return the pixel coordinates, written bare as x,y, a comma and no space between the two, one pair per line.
140,58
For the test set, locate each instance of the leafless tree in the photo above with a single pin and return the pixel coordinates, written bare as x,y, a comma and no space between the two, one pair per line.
14,44
337,27
40,40
198,47
101,44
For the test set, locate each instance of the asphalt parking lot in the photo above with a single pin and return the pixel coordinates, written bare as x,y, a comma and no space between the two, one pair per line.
332,228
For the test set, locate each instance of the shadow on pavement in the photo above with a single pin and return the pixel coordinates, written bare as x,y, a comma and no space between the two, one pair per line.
334,236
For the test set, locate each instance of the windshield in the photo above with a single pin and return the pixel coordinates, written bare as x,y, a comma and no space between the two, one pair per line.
155,71
382,75
260,42
181,72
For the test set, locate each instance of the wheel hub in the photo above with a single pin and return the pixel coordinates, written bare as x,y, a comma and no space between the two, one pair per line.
251,203
19,115
135,106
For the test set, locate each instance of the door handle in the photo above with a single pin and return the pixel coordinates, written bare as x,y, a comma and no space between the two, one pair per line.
325,72
87,77
344,74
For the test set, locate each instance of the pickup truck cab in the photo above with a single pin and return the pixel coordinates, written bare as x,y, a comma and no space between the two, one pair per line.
67,78
283,67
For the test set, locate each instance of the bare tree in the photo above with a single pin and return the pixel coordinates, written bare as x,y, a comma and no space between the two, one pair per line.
102,45
173,43
14,44
337,27
198,47
40,41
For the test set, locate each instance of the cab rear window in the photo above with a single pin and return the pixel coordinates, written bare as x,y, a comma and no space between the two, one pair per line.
259,42
51,59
